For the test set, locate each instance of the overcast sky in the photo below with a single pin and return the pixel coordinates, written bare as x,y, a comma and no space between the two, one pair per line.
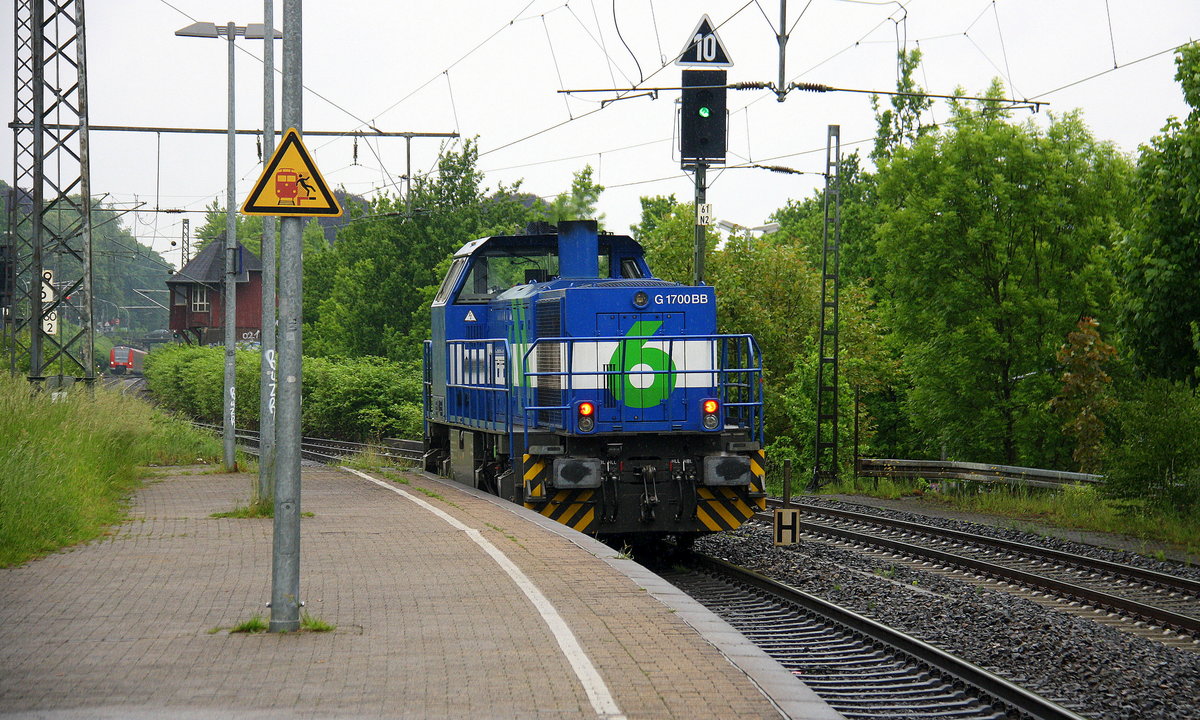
493,70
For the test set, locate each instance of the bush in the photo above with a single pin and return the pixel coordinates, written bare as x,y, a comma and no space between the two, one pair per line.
1152,458
357,399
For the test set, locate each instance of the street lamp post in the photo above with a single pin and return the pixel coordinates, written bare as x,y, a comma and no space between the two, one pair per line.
228,396
116,308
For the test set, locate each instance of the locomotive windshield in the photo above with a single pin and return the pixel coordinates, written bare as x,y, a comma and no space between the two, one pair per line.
493,272
484,268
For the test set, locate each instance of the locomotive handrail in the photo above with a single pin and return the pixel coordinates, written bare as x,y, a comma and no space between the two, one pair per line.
490,394
492,400
751,418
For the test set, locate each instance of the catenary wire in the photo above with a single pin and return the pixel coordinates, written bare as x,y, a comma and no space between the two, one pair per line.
1003,50
617,26
603,45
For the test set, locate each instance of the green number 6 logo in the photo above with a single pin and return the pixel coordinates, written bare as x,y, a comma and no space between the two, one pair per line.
647,374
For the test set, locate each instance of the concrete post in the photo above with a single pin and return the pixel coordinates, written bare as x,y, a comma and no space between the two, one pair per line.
285,566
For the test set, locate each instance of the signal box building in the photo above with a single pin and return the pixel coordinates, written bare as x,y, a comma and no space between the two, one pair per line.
197,297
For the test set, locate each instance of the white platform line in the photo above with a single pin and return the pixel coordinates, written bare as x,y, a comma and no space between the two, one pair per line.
597,691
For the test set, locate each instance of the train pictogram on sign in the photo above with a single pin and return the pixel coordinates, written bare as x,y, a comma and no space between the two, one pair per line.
291,184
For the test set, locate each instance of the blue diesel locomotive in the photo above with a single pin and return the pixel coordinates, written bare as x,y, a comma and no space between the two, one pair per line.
563,375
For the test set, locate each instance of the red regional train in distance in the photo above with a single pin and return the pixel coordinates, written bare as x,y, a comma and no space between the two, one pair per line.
125,360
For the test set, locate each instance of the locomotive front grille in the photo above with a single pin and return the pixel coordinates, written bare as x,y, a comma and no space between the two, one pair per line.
549,359
610,400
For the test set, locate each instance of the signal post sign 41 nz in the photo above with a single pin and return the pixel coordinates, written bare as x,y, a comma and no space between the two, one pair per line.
291,184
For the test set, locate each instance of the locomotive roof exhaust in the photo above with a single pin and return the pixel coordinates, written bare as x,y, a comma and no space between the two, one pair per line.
578,250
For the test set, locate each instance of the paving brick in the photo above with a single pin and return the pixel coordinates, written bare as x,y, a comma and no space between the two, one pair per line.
428,625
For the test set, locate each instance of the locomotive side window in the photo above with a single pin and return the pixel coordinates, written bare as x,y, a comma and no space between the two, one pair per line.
630,268
443,293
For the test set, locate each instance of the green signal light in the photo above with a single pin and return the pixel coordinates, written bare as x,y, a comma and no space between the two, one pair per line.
705,112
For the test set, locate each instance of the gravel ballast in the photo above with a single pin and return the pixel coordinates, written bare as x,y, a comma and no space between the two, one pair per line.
1096,671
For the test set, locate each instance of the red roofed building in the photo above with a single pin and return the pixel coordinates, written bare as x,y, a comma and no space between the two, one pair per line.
197,296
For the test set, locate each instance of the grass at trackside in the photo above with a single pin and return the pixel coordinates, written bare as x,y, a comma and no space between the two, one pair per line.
1081,508
68,465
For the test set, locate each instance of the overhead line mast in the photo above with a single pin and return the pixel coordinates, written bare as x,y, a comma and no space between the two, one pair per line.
47,296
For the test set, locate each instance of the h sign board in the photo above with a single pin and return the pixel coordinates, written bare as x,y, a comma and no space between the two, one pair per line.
787,526
704,48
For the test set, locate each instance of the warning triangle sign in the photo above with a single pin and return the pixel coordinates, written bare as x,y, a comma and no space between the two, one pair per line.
291,184
704,48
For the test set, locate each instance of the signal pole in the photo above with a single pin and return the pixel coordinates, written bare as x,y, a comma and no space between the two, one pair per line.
702,121
702,139
268,359
701,223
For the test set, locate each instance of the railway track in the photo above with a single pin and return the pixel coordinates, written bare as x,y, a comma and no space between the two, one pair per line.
862,668
328,451
1148,597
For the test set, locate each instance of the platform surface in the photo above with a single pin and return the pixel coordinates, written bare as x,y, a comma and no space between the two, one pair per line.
447,603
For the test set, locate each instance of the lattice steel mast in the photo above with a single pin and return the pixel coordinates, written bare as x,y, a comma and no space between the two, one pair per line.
825,461
48,306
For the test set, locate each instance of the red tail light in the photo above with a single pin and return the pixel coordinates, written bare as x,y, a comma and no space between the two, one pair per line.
586,416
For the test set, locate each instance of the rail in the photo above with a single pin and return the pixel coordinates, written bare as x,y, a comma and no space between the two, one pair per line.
1163,599
862,667
329,451
971,472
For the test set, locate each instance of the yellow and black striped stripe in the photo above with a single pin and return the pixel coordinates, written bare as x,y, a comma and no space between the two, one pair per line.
535,473
573,508
721,508
758,494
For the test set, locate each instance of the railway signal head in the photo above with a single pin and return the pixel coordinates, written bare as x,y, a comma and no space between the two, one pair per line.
702,135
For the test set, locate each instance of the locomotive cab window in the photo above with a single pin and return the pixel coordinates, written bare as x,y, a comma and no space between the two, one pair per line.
494,272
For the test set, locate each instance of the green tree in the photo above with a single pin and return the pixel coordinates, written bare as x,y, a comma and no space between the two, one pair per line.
250,229
1152,459
1160,258
997,238
802,221
900,126
579,203
668,233
369,294
121,266
769,287
654,210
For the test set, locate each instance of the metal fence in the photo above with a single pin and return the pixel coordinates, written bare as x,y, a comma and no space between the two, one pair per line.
972,472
